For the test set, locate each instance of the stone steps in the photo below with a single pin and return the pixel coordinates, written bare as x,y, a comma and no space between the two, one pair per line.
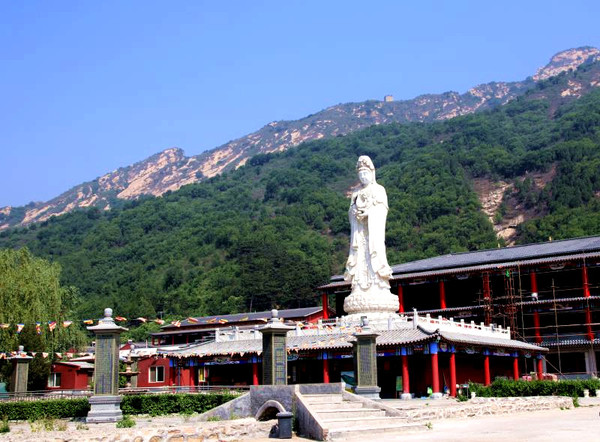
345,419
351,413
338,405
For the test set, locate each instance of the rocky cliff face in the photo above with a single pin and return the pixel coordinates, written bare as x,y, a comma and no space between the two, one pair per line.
171,169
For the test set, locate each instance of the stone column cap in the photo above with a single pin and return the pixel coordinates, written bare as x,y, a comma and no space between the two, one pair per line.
107,324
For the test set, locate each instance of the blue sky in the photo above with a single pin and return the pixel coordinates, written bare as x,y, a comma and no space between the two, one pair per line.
87,87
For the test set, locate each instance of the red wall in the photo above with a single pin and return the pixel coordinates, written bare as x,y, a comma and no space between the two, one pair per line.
144,370
71,377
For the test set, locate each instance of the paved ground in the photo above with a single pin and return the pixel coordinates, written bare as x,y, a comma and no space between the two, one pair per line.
575,425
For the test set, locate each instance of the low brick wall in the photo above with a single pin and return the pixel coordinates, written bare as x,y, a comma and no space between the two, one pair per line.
490,406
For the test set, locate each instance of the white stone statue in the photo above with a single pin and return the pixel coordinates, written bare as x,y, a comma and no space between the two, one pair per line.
367,267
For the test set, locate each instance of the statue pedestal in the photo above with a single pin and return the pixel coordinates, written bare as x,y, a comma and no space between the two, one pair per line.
105,408
375,303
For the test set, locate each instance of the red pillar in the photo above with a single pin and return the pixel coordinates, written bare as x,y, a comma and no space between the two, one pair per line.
405,379
516,368
453,374
442,295
435,372
586,293
325,306
536,324
586,284
325,370
172,339
255,373
540,368
487,297
400,299
487,378
533,280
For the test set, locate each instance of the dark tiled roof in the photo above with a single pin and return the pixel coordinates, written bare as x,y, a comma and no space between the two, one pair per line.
547,252
505,254
246,317
330,341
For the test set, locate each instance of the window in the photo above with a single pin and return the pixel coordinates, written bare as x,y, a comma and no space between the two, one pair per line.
157,374
54,380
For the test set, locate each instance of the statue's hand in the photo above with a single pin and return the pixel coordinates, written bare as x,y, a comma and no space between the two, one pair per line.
361,214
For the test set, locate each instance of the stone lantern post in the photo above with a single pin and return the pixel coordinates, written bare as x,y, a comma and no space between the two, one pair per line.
20,374
274,355
105,404
365,362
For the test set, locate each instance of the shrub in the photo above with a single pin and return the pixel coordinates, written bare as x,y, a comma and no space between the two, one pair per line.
160,404
510,388
126,422
4,427
51,408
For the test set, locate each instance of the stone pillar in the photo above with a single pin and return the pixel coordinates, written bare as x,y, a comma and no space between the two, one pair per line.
435,371
487,378
105,402
274,351
453,372
405,376
516,366
20,374
365,362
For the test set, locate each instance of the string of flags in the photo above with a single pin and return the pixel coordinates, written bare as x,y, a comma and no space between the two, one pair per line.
65,324
43,354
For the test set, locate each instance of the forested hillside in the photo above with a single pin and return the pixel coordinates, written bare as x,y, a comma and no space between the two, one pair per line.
268,233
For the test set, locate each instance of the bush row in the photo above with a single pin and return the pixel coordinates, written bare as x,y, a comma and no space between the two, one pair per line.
508,388
153,404
34,410
159,404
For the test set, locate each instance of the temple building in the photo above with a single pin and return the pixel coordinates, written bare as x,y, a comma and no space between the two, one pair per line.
548,294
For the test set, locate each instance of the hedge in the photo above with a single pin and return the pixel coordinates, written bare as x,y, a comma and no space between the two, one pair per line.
34,410
152,404
159,404
511,388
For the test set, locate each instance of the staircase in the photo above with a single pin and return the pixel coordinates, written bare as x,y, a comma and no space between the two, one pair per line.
347,416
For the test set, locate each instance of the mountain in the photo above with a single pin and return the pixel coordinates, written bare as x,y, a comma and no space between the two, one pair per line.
171,169
265,234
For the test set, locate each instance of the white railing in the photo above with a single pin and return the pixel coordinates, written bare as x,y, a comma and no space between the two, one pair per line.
336,326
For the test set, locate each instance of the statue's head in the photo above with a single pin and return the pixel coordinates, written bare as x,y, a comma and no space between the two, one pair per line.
366,170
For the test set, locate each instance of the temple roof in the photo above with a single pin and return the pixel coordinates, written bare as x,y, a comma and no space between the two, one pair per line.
530,254
405,336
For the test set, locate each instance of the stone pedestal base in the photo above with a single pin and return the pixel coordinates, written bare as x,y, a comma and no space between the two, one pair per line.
104,409
406,396
374,302
437,396
368,392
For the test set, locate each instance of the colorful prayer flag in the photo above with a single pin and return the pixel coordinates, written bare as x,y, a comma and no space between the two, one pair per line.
245,318
141,319
211,321
44,355
4,326
120,318
38,328
159,321
88,321
20,327
223,321
192,320
51,325
58,355
176,323
67,323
